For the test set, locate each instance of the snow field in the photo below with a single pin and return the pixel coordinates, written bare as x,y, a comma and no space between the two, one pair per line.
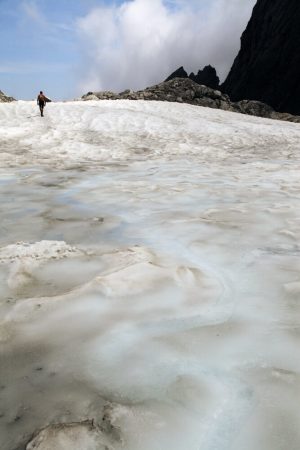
149,259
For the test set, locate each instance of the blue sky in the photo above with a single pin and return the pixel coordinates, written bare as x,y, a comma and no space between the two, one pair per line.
67,46
38,46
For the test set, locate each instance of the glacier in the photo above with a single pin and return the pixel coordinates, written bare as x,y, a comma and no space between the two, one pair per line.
150,278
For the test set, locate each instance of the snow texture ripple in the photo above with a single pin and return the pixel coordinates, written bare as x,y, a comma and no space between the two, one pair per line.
150,273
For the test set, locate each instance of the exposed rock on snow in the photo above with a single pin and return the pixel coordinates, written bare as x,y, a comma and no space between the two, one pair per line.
254,108
103,95
5,99
70,436
92,96
37,251
86,435
185,90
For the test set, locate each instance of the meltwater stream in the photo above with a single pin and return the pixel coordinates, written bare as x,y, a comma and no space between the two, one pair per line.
150,292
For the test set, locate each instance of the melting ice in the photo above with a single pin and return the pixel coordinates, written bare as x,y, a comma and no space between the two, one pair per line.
150,273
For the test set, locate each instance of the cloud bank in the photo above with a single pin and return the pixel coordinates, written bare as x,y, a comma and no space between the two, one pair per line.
140,42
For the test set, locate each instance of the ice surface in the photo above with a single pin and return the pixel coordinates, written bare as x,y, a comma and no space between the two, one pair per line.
150,274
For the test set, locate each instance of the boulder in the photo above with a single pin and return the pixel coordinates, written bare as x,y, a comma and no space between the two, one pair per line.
127,91
90,97
102,95
254,108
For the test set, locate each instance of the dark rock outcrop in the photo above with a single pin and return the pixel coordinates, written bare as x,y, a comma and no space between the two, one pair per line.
267,67
179,73
68,436
184,90
208,76
88,434
5,99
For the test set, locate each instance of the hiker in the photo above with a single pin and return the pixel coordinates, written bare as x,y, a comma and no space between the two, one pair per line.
41,101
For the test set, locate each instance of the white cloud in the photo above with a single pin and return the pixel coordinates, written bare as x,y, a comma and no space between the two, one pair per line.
141,42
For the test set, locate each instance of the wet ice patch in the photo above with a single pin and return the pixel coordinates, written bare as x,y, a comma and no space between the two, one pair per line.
21,260
20,263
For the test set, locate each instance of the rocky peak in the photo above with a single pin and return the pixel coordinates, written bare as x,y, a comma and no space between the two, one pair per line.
179,73
207,76
267,67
